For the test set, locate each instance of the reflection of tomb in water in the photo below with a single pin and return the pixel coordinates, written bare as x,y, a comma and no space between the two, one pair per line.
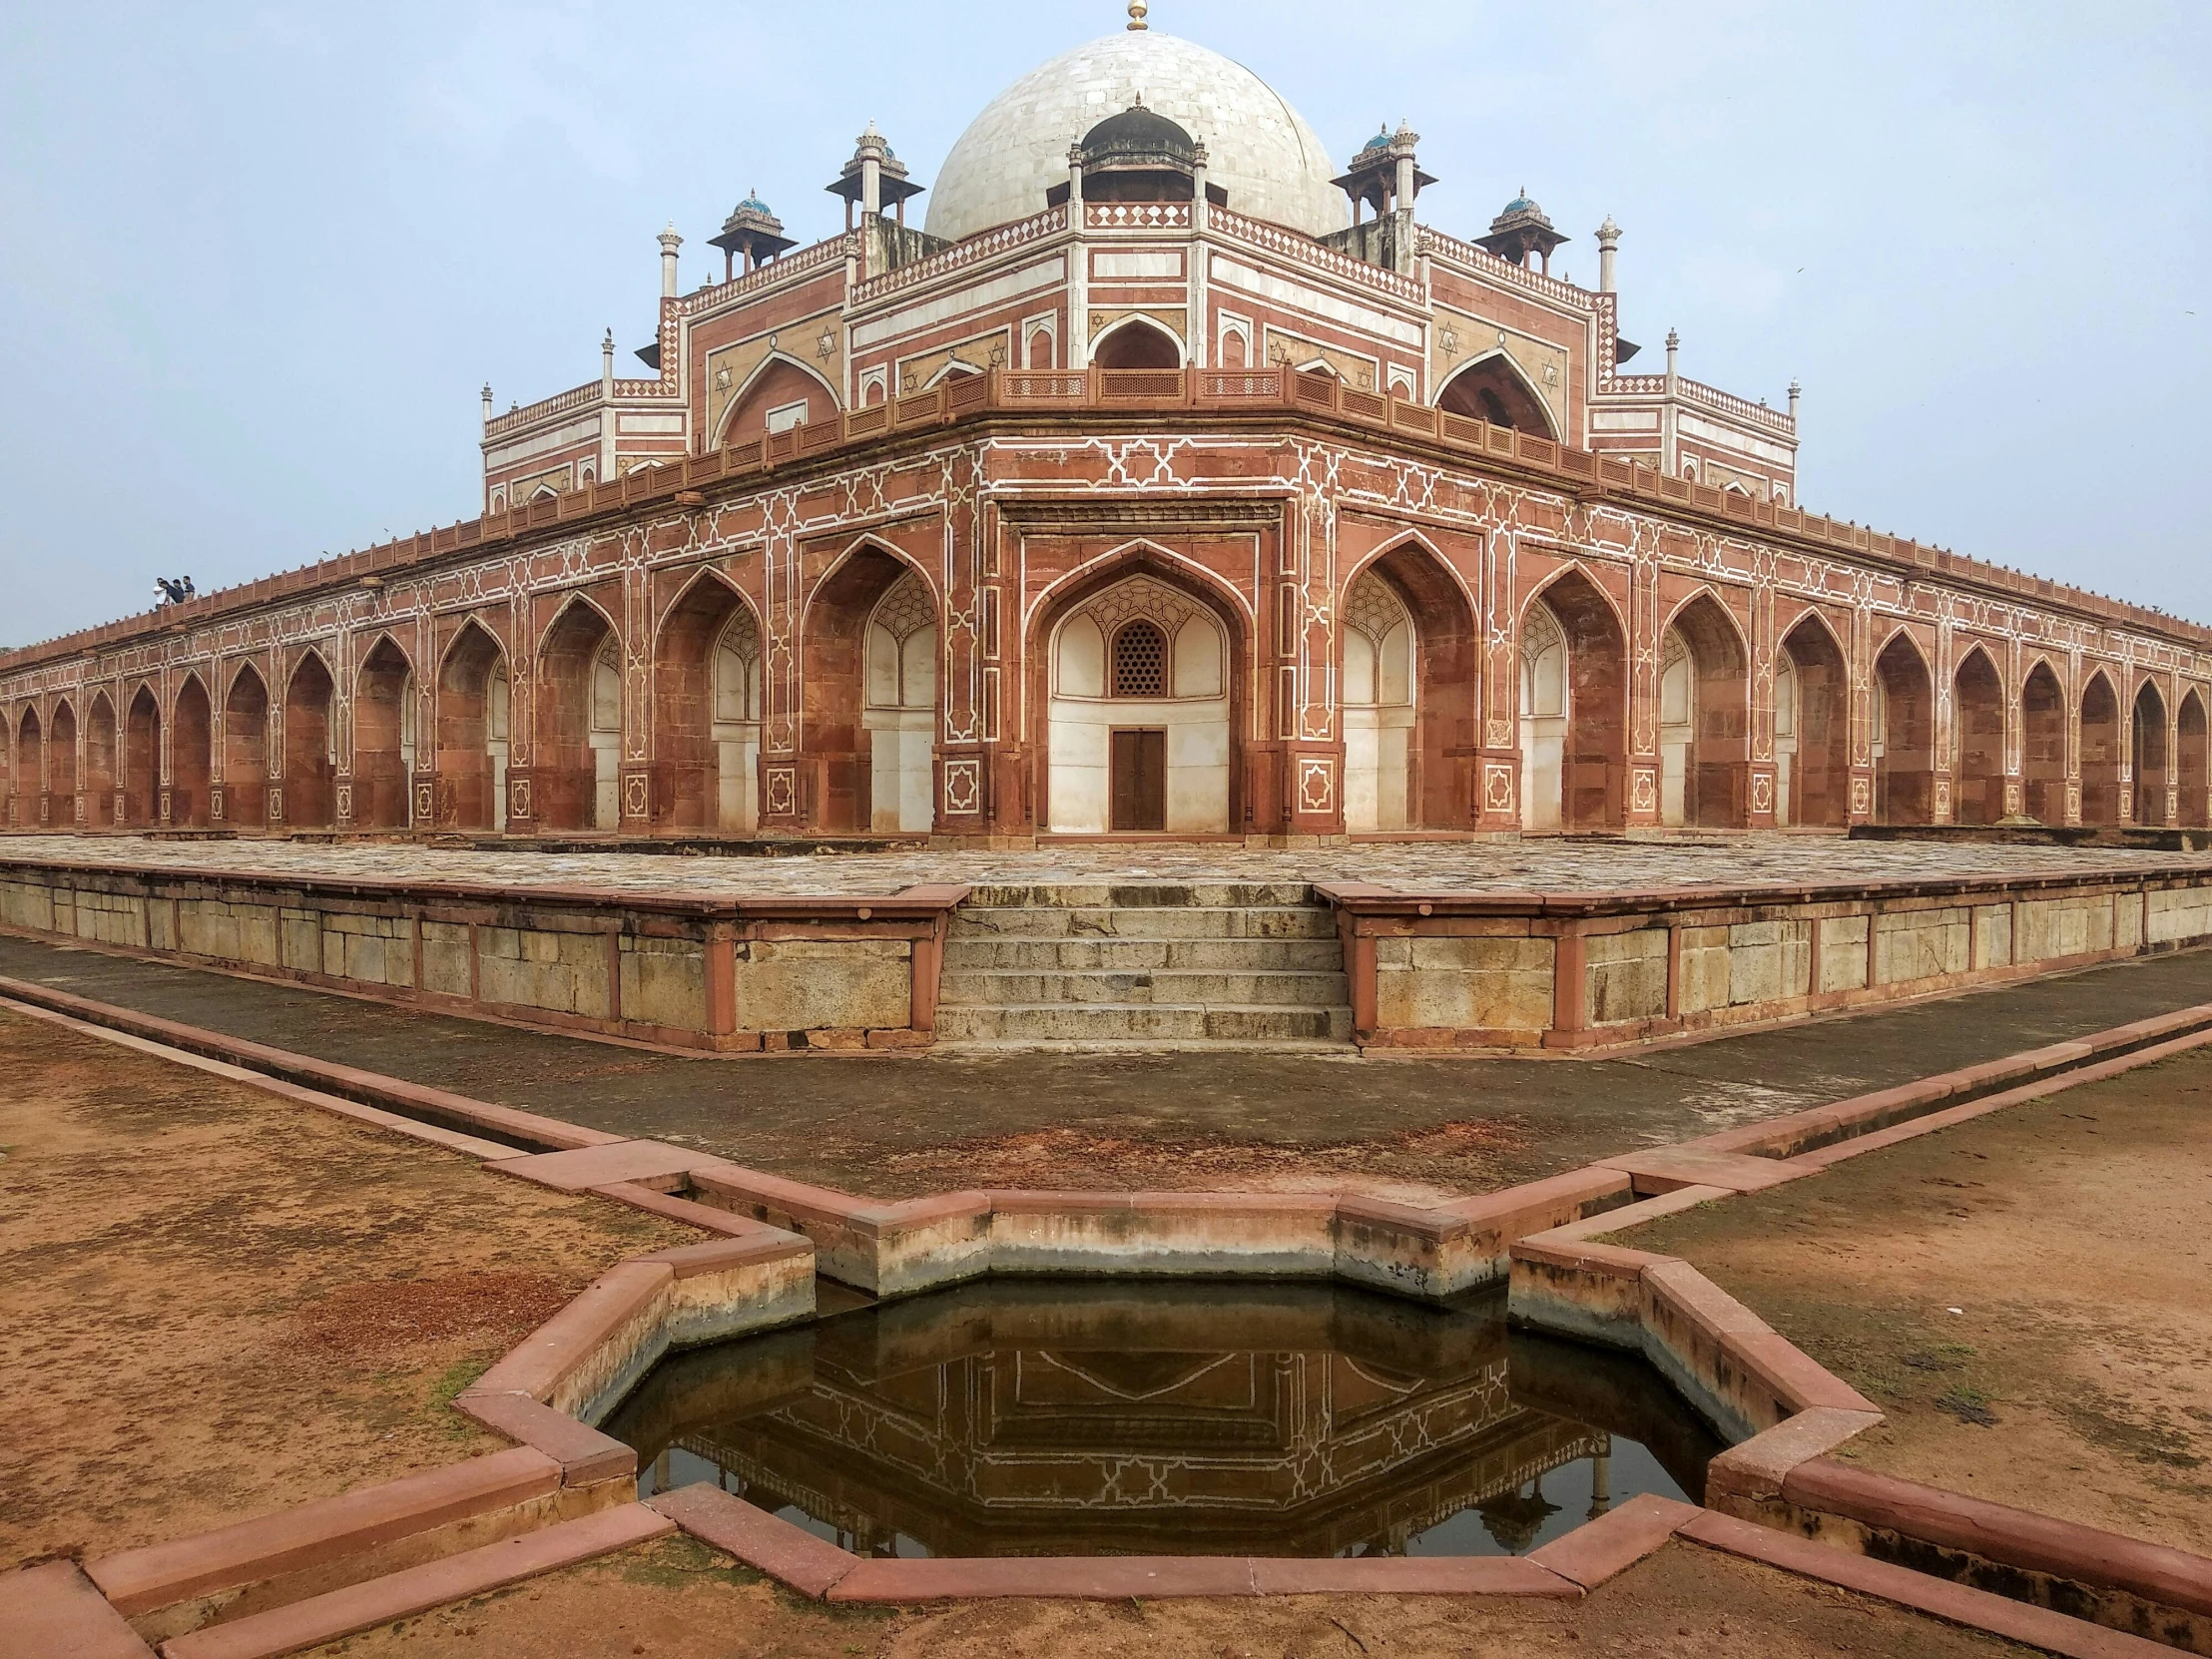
1056,1419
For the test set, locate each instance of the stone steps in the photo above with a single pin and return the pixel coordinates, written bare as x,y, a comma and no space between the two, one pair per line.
1125,955
1140,1024
1203,988
1143,964
1154,921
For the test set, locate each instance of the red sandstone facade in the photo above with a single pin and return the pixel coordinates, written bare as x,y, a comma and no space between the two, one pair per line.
1137,514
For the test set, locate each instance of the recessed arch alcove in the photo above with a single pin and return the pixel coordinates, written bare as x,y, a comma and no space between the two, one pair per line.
307,759
1904,735
707,711
474,732
1494,389
246,751
868,686
1811,729
1704,719
2100,751
1574,708
2150,754
1406,691
191,755
1977,738
1140,669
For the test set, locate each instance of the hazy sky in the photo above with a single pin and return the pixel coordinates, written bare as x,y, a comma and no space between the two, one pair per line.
255,260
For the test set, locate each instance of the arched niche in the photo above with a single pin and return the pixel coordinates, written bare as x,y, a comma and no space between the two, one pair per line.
246,751
61,763
868,684
1977,741
1704,720
2152,762
30,765
783,393
475,702
707,712
2100,751
1139,725
578,767
1904,736
308,761
1812,730
1410,664
2192,761
1137,343
1574,710
383,738
901,714
1376,700
1494,389
2044,745
100,762
192,756
142,760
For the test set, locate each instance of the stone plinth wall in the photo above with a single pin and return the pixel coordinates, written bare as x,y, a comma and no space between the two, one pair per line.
1585,970
714,974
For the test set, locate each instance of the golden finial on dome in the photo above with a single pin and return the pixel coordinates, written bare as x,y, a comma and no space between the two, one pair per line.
1138,11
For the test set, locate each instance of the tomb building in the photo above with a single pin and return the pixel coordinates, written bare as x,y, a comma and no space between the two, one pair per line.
1144,471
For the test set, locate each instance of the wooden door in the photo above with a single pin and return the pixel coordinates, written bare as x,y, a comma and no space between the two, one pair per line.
1140,779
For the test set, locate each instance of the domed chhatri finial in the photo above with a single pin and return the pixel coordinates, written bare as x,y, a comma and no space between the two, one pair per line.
1138,11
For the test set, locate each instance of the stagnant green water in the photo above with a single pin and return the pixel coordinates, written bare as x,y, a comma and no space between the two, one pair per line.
1126,1418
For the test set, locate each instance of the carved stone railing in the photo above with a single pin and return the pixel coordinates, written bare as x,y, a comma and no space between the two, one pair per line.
962,255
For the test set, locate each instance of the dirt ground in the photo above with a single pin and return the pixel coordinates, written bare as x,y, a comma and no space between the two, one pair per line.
2025,1296
219,1302
677,1600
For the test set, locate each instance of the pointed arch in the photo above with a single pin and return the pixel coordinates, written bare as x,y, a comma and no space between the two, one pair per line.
30,764
1151,751
849,755
579,717
706,709
191,754
61,762
2150,753
142,759
311,694
2101,734
1424,742
246,750
2193,760
777,382
1904,733
1812,726
99,774
2043,742
1592,753
1137,342
385,737
1704,716
1977,737
472,734
1495,388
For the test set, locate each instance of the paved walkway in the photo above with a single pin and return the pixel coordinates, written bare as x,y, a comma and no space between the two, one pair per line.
898,1127
1544,863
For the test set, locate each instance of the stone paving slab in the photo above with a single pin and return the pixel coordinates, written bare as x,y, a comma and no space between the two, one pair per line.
1536,865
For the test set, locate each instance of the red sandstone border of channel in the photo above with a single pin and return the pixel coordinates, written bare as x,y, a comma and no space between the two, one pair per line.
1776,1476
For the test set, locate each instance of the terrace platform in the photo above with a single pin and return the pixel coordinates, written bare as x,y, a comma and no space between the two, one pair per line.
1538,945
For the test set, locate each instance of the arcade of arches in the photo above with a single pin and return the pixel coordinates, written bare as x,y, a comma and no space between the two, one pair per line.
1139,701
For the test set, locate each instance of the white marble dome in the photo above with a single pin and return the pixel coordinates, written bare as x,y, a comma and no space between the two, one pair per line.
1258,149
